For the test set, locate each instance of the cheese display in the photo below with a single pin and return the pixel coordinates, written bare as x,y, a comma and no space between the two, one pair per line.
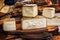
53,22
5,9
9,24
30,10
49,12
33,23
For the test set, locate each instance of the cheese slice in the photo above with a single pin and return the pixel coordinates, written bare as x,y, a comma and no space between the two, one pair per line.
33,23
30,10
5,9
48,12
54,21
9,24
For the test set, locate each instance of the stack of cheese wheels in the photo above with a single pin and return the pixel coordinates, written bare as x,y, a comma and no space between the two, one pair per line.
9,24
33,23
30,10
48,12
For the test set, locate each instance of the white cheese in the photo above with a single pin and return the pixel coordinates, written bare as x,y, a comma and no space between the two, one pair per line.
53,22
30,10
48,12
9,24
32,23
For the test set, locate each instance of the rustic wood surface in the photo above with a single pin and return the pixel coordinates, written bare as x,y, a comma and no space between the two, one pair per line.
10,37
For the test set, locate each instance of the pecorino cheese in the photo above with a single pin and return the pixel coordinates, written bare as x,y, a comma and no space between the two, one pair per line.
53,22
5,9
49,12
32,23
30,10
9,24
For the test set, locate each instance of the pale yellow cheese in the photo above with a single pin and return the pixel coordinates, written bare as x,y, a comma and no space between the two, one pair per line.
5,9
30,10
48,12
54,21
33,23
9,24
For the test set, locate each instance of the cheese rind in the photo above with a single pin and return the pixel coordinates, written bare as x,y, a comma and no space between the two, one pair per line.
49,12
33,23
9,24
30,10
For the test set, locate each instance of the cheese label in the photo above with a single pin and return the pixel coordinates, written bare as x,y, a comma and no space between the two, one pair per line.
34,23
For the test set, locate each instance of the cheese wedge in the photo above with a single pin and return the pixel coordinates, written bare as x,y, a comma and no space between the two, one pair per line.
48,12
9,24
5,9
30,10
33,23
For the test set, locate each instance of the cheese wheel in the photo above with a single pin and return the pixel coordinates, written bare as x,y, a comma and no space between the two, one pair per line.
33,23
30,10
48,12
54,21
9,24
